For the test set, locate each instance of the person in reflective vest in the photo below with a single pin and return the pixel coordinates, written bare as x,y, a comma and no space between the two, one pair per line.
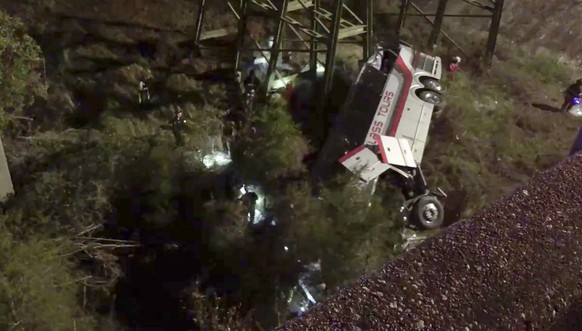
178,125
143,93
570,93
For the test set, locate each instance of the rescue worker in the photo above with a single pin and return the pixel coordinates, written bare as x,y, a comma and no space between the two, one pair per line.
286,57
455,66
143,93
251,84
238,77
252,81
571,92
289,92
249,201
230,134
178,125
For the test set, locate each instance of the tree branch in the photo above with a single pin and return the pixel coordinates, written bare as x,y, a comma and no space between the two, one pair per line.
21,118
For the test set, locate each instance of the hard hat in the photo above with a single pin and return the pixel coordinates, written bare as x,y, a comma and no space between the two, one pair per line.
457,58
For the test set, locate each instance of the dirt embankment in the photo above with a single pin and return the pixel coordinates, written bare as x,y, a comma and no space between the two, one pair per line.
551,24
538,23
97,52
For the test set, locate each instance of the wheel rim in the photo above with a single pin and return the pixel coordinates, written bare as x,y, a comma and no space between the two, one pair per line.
431,97
430,213
434,85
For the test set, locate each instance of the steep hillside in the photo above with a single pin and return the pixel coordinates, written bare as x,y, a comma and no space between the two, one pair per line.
172,236
479,148
537,23
553,25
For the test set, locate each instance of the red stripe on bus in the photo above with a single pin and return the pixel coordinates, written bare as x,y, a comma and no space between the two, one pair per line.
351,153
382,150
403,96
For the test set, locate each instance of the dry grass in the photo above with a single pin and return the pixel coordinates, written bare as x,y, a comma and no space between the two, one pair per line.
491,137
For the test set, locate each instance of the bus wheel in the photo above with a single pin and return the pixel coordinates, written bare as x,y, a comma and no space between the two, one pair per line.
431,97
432,84
428,213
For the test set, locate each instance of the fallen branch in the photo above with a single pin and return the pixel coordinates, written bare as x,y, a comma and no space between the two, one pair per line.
83,279
42,138
109,240
24,118
89,229
113,246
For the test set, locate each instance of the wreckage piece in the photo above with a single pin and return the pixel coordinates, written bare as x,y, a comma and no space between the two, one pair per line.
422,206
515,265
365,163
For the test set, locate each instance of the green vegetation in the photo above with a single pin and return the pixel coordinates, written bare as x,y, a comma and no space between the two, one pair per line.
21,70
113,207
22,65
121,178
38,289
271,146
339,228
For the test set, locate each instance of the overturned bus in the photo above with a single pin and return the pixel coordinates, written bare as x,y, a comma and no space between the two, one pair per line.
383,127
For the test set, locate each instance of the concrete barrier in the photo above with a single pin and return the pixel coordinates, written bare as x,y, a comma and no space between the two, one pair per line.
6,185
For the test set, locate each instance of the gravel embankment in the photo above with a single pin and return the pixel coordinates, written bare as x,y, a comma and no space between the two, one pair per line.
515,265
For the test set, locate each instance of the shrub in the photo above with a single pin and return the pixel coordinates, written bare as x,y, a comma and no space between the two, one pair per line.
212,314
275,150
21,68
37,289
350,231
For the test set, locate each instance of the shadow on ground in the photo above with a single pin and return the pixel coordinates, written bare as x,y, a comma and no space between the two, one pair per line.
545,107
571,319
